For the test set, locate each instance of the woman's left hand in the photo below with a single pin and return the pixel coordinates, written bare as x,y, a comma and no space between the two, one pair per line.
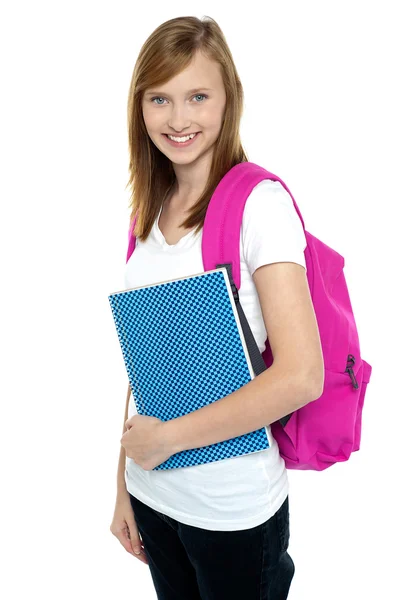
145,441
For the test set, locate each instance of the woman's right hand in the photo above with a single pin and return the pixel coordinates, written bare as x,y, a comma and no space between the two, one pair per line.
124,527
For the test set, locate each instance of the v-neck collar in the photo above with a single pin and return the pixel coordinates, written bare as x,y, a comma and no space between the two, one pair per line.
161,239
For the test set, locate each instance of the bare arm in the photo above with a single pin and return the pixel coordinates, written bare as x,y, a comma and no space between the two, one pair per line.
295,378
121,484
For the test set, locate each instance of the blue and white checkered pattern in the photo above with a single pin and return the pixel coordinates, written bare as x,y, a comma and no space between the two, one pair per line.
182,350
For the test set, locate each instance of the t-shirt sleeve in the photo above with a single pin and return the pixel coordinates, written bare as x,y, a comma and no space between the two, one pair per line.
271,228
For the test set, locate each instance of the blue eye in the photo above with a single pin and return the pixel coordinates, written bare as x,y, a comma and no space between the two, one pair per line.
203,96
161,97
156,98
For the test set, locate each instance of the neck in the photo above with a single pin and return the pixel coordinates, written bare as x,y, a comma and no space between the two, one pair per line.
191,179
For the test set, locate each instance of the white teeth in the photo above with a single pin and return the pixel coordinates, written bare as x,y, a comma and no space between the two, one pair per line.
181,139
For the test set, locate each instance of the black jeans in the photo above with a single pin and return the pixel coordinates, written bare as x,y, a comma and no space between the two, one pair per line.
189,563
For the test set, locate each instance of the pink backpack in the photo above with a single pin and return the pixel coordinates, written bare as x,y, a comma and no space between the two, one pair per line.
328,429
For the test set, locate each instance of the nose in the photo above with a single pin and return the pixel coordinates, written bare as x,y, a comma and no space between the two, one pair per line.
178,119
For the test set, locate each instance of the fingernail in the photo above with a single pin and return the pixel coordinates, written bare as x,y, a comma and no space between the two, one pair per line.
137,550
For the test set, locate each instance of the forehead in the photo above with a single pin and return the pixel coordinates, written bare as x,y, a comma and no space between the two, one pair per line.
202,74
164,90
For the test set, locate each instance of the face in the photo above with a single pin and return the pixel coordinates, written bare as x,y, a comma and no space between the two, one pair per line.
174,108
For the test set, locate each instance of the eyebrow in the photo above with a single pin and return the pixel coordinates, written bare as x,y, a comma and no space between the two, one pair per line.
189,91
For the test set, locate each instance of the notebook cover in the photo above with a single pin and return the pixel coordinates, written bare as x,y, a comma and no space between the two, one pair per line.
183,348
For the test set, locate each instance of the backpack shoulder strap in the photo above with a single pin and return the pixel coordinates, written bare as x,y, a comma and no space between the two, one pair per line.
131,240
221,231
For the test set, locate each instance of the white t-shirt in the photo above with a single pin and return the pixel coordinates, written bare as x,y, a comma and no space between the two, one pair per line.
240,492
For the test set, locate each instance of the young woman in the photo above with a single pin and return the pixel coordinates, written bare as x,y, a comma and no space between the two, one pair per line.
221,529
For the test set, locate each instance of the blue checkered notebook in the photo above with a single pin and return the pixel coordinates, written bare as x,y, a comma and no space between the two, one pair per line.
183,348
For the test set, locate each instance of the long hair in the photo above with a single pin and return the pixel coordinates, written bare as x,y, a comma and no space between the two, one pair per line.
167,52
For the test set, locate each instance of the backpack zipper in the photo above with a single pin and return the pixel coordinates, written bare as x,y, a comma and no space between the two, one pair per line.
235,292
350,362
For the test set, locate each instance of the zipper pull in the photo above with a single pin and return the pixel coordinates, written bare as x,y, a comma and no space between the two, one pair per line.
233,286
350,362
235,292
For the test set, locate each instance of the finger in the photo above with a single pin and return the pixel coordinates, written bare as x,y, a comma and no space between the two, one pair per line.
136,544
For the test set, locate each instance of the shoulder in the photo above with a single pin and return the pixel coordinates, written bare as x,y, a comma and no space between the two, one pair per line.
271,228
270,207
268,196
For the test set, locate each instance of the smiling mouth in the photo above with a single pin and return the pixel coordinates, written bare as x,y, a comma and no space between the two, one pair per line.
182,143
185,135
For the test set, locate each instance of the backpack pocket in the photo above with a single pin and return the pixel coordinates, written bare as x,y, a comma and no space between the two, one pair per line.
358,422
327,430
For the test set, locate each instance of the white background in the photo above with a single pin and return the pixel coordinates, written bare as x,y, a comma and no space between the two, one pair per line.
321,111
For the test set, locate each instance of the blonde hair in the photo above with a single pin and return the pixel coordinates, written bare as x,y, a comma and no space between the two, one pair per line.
167,52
